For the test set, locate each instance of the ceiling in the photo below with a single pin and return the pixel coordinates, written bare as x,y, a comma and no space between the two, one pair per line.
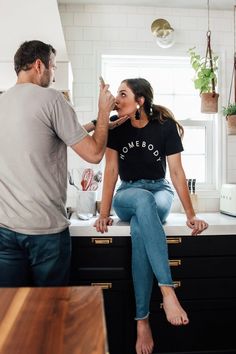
188,4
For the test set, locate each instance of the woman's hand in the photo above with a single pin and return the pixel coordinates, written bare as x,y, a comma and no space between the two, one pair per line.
117,122
102,222
197,225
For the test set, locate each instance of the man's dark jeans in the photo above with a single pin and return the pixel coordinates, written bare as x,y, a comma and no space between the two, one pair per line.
34,260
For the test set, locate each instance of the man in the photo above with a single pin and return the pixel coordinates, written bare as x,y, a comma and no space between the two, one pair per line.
36,126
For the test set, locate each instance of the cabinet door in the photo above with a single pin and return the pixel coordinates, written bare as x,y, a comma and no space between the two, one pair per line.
203,267
100,258
119,313
202,288
202,245
105,262
211,328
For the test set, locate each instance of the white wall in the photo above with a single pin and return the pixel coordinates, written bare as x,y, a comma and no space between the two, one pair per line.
92,30
27,20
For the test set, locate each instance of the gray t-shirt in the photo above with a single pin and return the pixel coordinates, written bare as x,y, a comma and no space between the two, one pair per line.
36,126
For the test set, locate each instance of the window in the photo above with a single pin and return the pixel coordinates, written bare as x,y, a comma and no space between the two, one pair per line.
171,79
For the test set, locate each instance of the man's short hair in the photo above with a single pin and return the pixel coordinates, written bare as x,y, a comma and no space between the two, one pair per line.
30,51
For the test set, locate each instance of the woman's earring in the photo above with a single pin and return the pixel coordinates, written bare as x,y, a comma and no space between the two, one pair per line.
151,111
137,113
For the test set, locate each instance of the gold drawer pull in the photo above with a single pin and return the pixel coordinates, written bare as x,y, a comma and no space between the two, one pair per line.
174,240
177,284
175,262
102,241
103,285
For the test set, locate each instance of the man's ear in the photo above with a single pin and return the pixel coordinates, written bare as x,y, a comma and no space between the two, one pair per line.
38,65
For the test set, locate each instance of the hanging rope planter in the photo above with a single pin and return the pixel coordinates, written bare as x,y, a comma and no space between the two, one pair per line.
209,100
230,110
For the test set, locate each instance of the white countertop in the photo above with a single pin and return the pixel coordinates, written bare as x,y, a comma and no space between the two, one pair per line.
219,224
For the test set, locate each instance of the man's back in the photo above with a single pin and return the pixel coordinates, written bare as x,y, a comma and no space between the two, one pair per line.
36,127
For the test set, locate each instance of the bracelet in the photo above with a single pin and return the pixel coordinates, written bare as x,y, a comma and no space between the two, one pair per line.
94,121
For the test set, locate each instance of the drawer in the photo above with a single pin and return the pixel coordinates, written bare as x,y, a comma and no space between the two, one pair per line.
211,328
203,267
208,288
202,246
103,252
108,286
78,272
101,241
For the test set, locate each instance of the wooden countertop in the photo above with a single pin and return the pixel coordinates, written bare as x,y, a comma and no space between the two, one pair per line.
219,224
59,320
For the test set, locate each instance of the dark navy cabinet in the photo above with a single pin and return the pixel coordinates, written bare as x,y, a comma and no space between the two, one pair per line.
204,272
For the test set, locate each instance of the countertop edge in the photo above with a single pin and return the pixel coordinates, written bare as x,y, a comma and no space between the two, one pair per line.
219,224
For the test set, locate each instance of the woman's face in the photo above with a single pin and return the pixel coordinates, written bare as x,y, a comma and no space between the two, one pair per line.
125,101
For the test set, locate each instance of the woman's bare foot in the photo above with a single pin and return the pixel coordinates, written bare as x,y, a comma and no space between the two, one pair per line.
144,344
175,314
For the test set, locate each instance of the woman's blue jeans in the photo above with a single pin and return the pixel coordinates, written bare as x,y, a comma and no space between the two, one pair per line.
34,260
146,205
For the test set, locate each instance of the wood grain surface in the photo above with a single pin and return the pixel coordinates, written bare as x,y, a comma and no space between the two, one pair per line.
59,320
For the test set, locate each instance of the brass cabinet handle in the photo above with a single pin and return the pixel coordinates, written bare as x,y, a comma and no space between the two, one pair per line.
103,285
174,240
177,283
175,262
102,241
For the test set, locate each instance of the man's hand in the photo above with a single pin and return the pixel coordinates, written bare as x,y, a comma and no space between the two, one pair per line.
106,100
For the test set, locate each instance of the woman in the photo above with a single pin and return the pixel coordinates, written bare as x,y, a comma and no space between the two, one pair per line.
137,151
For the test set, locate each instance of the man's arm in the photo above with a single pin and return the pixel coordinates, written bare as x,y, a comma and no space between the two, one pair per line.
92,148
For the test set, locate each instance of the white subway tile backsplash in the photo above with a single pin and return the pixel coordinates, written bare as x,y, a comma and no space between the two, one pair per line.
83,47
67,18
73,33
109,34
231,146
91,30
84,104
127,34
232,176
70,46
145,35
77,63
92,34
232,162
83,19
111,20
75,8
109,9
83,90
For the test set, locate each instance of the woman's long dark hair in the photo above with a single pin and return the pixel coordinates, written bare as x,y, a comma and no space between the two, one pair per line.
142,88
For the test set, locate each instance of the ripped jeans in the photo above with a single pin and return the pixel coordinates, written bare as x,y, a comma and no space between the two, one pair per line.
146,205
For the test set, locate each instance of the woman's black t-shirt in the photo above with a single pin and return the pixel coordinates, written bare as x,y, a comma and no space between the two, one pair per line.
142,151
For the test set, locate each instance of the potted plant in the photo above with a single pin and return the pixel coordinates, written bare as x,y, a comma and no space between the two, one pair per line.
205,80
230,113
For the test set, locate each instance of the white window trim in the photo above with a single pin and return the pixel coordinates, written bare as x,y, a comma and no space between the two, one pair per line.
219,136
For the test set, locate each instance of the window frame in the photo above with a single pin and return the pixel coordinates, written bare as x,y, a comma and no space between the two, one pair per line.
210,123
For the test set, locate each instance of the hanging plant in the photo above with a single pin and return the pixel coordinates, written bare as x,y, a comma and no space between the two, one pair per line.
230,113
230,110
205,79
204,74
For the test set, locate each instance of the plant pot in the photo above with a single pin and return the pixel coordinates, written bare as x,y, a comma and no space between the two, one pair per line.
231,125
209,102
